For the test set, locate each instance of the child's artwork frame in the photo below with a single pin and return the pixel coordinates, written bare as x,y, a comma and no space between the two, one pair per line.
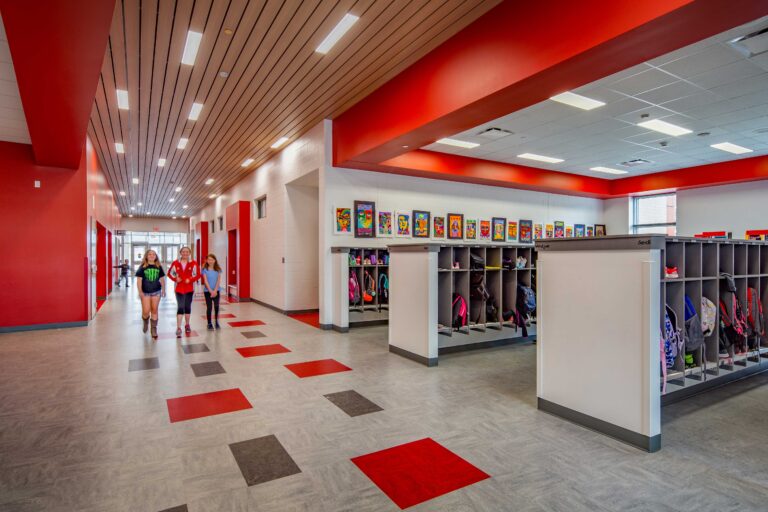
590,231
578,230
438,227
455,226
512,231
549,231
498,229
470,231
342,220
600,230
568,231
365,219
402,224
538,231
484,230
421,220
559,229
384,224
526,231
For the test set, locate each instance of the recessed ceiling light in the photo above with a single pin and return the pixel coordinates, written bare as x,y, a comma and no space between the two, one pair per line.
119,147
457,143
178,189
183,216
135,181
224,74
139,204
246,162
171,200
405,147
228,31
161,162
173,213
182,143
149,213
130,215
212,196
577,100
191,47
173,217
133,208
541,158
660,126
337,33
194,112
185,206
122,99
279,142
607,170
122,193
731,148
209,181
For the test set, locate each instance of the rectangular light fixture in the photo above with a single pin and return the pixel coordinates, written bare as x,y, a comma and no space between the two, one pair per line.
122,99
607,170
178,189
194,112
131,215
457,143
279,142
246,162
209,181
664,127
140,204
133,208
337,33
185,206
136,182
182,143
191,47
171,200
161,162
119,148
577,100
731,148
122,193
212,196
541,158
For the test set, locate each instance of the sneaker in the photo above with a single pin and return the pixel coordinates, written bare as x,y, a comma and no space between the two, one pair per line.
671,273
187,329
217,325
210,326
178,333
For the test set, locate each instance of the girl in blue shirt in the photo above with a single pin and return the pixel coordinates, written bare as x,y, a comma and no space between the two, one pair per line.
212,288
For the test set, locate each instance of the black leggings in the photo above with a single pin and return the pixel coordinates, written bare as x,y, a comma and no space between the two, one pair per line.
211,301
184,303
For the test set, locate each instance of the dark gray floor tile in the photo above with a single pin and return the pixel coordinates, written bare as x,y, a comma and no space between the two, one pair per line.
263,459
253,334
353,403
207,368
149,363
194,348
180,508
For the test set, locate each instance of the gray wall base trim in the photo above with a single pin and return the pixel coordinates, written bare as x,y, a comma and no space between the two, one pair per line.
340,329
485,344
326,327
269,306
708,385
283,311
301,311
427,361
42,327
649,444
368,323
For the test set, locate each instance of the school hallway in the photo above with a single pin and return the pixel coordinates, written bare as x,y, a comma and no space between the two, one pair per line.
89,422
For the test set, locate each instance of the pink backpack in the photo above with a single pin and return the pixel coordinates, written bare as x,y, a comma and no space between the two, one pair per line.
459,311
354,288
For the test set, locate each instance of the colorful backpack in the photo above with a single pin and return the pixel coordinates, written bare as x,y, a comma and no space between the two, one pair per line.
694,337
370,287
526,300
383,286
732,318
708,317
354,288
459,311
755,313
674,342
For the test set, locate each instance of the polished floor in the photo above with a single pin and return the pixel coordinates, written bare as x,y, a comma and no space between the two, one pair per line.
284,417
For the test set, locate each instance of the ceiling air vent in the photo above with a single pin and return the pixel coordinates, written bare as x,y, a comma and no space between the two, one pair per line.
636,162
752,44
494,133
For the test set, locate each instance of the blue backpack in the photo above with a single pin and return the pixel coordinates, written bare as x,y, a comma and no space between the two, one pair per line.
383,286
673,337
526,300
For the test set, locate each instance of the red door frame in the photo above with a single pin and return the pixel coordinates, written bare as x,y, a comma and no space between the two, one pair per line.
238,216
201,240
101,262
110,263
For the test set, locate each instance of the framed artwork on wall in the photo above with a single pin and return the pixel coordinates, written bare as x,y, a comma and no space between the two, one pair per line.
403,224
342,220
365,214
485,230
420,224
498,226
384,225
538,231
455,226
590,230
512,231
526,231
568,231
559,229
471,230
438,227
550,231
600,230
578,230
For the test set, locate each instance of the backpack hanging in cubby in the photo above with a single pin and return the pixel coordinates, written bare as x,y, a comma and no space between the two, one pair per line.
526,300
383,286
476,262
755,313
370,287
694,337
491,310
674,341
708,317
735,326
460,311
354,288
477,289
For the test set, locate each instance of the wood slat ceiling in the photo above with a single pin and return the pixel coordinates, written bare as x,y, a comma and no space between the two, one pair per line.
277,84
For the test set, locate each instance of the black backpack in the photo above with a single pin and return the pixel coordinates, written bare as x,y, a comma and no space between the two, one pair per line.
477,289
491,310
476,262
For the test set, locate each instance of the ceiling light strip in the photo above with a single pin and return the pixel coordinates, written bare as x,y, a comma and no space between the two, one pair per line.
337,33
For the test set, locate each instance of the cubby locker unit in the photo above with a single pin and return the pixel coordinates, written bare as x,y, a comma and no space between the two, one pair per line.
421,333
359,261
628,302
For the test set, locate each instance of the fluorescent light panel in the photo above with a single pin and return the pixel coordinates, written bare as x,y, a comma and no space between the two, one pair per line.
171,200
194,112
135,181
133,208
178,189
191,47
664,127
140,204
209,181
185,206
182,143
457,143
607,170
122,99
119,147
337,33
577,100
246,162
122,193
279,142
731,148
541,158
161,162
212,196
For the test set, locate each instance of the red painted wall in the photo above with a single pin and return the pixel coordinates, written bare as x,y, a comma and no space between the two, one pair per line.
102,262
201,238
238,217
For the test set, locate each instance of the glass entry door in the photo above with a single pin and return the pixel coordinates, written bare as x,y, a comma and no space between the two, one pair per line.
171,253
137,254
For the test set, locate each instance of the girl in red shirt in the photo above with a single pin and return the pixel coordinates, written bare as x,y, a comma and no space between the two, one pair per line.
184,272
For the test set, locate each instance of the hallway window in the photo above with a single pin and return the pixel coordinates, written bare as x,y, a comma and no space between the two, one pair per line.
261,207
655,214
221,223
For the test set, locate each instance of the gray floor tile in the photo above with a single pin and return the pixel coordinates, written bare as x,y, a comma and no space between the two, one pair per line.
353,403
148,363
207,368
180,508
253,334
263,459
194,348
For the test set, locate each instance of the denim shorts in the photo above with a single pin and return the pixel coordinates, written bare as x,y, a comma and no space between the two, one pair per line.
153,294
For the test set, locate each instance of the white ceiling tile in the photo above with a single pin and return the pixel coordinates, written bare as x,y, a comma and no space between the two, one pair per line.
645,81
709,58
689,104
734,72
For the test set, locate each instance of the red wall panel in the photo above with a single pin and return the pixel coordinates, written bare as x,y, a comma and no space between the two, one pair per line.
238,217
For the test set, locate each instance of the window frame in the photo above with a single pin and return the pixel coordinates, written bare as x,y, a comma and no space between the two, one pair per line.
261,211
635,214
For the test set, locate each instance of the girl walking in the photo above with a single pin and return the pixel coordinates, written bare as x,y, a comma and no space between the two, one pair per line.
184,272
212,284
150,280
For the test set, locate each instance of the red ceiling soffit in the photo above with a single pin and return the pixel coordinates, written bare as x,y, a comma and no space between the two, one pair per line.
57,48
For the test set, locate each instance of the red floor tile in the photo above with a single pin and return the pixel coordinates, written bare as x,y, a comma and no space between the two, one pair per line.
262,350
172,335
321,367
416,472
221,315
245,323
206,404
99,303
312,319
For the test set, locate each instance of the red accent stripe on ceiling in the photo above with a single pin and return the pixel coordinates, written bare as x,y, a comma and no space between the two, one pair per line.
57,48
